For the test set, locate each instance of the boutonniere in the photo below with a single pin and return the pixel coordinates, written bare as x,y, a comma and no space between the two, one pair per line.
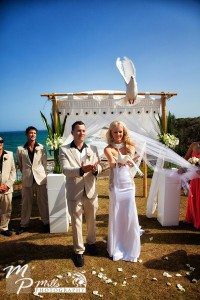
89,152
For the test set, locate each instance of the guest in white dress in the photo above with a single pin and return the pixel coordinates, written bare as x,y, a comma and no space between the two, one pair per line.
123,229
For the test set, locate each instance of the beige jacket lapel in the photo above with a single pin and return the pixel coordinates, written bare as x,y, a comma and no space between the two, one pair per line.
37,154
76,156
25,151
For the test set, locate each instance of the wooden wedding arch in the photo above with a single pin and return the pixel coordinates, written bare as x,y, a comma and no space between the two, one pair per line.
164,96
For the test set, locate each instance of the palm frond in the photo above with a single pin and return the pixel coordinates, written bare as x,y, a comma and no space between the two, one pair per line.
63,125
59,129
52,124
48,127
59,125
160,125
170,123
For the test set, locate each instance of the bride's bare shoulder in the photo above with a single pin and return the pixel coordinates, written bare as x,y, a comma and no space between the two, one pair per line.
108,149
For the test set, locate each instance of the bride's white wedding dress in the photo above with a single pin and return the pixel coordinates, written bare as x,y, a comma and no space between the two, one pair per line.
123,229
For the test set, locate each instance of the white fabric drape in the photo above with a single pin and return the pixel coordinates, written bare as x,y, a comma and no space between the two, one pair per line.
98,112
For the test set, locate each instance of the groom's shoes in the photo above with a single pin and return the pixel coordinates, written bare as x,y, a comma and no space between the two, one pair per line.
46,228
91,249
78,260
21,230
6,232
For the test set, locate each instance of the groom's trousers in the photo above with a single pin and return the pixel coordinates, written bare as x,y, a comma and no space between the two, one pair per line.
76,209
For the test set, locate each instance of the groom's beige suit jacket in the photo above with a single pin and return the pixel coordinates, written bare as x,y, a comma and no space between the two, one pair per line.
29,170
71,163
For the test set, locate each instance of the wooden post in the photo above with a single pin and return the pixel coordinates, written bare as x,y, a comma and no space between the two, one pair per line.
55,111
164,112
144,179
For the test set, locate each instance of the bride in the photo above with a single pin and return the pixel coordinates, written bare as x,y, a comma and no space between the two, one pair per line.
123,229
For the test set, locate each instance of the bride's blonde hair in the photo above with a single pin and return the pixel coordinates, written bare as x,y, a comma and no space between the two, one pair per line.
126,137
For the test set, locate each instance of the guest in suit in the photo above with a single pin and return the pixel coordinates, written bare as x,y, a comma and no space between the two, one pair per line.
32,160
7,178
80,164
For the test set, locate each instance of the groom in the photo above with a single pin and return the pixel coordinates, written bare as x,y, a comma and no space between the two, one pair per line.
80,164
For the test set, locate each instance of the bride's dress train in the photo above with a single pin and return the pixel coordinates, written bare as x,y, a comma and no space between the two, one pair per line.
123,230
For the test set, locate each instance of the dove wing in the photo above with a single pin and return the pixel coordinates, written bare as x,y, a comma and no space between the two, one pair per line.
126,68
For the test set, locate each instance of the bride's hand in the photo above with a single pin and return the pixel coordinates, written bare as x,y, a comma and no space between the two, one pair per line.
130,163
120,165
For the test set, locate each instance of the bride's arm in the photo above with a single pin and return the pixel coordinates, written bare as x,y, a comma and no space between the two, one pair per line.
108,153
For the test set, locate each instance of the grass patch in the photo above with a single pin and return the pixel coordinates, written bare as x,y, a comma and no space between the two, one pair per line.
49,255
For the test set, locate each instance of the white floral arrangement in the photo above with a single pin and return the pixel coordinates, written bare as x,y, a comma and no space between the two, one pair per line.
54,139
54,142
169,140
194,161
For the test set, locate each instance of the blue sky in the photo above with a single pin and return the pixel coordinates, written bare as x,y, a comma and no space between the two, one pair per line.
70,46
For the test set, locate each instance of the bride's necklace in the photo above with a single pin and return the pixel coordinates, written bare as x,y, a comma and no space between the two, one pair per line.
118,146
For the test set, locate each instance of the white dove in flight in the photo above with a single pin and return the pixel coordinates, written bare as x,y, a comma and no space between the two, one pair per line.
127,70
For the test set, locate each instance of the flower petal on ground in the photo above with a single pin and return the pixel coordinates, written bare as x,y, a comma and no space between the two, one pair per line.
108,280
95,292
119,269
167,274
180,287
187,273
100,275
